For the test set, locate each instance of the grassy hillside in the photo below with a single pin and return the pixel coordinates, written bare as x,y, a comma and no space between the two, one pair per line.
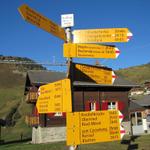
12,105
137,74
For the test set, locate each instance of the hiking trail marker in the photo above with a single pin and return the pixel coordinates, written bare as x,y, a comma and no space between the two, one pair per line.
55,97
95,74
102,35
42,22
82,127
92,127
90,51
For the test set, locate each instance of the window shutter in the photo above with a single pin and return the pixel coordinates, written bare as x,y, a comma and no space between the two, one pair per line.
104,105
50,114
64,114
97,106
87,106
35,111
120,105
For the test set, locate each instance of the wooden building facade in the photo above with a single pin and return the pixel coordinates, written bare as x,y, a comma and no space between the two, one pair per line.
86,96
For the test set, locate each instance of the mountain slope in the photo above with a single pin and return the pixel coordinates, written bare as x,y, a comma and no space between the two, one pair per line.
137,74
13,108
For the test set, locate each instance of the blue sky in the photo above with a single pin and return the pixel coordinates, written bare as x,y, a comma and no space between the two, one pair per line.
20,38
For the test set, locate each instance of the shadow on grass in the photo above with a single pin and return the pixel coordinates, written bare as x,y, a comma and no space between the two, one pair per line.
2,142
129,143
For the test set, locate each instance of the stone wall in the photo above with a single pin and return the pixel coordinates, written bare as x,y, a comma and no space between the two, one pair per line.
48,134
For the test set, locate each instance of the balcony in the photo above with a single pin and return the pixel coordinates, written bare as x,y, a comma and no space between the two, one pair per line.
31,97
32,120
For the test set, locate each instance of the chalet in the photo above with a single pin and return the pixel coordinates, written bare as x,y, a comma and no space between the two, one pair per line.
147,84
137,91
145,102
137,117
87,96
147,88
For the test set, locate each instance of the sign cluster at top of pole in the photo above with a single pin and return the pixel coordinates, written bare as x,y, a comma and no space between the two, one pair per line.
57,97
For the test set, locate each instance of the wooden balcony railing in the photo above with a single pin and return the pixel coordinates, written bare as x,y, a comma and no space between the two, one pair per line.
32,120
31,97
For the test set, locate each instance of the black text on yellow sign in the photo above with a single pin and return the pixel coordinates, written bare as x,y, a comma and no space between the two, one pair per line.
55,97
42,22
92,127
94,74
101,35
90,51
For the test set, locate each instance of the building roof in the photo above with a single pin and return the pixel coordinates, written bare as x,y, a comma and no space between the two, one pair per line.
119,82
144,101
134,106
41,77
44,77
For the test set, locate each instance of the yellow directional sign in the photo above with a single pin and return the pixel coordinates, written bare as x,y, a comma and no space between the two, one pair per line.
55,97
101,35
40,21
89,73
92,127
90,51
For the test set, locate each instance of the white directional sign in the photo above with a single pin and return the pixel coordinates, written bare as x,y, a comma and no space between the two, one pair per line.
67,20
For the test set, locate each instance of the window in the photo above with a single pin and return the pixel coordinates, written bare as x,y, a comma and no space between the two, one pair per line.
119,105
58,114
148,118
112,105
92,106
136,118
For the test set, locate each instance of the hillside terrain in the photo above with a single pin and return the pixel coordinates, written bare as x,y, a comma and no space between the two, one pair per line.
12,80
12,105
137,74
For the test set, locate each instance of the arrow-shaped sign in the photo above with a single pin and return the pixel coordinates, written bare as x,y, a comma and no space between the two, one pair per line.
122,130
101,35
94,74
55,97
90,51
40,21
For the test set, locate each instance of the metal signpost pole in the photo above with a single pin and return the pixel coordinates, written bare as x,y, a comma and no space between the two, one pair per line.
69,61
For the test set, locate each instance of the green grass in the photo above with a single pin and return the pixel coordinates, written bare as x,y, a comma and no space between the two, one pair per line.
9,98
140,143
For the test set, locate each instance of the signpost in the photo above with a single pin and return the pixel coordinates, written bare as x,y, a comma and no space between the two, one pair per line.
89,73
90,51
55,97
82,127
101,35
40,21
92,127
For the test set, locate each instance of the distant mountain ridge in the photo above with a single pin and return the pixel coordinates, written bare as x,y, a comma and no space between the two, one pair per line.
21,66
